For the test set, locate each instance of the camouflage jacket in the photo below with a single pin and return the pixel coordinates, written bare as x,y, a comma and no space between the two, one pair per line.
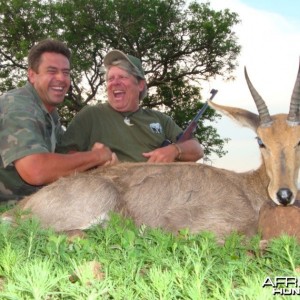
26,128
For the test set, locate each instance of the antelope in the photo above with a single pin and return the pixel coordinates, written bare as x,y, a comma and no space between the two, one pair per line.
177,196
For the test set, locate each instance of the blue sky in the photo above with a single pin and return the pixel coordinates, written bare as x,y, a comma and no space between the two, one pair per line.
287,8
269,34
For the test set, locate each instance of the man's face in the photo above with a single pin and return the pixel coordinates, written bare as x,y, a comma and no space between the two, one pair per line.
123,90
52,80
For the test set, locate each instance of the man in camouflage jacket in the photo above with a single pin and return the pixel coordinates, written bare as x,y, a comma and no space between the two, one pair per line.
30,127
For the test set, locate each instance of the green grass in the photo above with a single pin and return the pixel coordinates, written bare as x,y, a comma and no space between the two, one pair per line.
139,263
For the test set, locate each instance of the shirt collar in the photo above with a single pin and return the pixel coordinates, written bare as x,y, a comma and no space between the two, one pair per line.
54,114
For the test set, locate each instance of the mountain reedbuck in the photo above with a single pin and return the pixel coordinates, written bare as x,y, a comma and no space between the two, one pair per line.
175,196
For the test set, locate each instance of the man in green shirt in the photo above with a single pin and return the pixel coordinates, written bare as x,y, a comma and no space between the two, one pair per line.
133,133
30,127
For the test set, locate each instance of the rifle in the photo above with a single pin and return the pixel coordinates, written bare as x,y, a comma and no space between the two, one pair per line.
188,132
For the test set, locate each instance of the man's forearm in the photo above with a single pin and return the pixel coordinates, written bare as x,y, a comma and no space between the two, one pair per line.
191,150
44,168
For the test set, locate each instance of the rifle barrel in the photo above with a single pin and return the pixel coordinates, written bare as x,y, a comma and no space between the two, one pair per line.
204,107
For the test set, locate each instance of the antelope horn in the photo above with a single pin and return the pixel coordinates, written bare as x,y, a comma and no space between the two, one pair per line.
264,115
294,114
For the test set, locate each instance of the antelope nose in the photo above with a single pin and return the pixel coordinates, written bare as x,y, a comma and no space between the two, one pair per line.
284,196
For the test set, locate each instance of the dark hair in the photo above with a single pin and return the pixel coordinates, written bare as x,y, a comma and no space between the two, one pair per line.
47,45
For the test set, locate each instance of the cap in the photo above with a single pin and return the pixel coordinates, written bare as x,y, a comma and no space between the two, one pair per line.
134,61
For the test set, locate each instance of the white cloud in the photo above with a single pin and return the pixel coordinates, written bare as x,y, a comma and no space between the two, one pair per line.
271,51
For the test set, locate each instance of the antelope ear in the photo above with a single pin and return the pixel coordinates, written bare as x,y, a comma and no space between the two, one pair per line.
241,116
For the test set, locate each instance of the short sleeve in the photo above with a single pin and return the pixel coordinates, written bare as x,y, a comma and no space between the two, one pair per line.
172,130
22,129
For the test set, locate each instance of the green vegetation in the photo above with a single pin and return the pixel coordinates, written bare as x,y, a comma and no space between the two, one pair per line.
126,262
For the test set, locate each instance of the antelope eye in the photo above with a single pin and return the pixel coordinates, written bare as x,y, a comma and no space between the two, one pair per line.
260,143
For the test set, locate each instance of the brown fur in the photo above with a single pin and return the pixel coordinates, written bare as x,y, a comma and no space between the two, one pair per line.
171,196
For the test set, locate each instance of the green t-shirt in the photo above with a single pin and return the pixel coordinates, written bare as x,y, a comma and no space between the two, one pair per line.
147,131
25,128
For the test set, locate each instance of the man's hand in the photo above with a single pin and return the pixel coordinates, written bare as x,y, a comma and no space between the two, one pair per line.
163,155
105,156
114,160
189,150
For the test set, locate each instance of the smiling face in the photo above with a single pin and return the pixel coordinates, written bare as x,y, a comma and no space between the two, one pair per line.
52,80
123,89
